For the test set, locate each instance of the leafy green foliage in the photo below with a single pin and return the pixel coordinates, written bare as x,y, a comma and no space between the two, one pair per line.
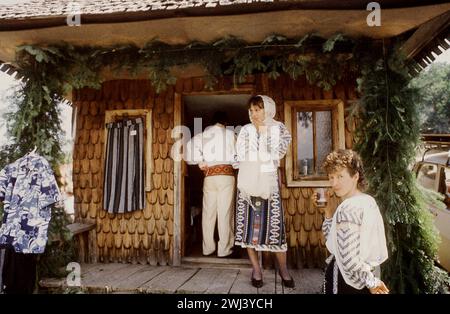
60,249
386,139
434,104
59,69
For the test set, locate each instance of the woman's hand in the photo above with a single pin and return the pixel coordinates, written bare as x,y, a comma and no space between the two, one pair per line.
262,129
380,289
329,212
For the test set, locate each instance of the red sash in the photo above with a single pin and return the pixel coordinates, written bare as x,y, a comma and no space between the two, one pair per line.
219,170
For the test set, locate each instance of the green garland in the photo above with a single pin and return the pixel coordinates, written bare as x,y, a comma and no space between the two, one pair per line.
387,139
65,67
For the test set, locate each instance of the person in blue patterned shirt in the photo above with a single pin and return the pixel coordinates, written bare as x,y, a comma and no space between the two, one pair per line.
28,189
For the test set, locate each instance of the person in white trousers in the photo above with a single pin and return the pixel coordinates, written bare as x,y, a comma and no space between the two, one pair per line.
214,151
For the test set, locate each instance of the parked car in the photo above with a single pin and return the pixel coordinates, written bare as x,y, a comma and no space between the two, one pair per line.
433,172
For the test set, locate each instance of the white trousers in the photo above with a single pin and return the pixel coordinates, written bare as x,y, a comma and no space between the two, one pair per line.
218,195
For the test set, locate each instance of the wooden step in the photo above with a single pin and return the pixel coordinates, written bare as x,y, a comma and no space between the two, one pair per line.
216,262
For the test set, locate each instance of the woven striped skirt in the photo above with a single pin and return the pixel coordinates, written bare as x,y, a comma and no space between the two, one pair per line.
123,185
260,226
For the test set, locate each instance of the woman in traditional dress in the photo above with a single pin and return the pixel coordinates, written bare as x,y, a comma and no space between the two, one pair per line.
259,212
354,232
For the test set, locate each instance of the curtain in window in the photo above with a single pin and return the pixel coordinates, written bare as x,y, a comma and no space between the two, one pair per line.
123,185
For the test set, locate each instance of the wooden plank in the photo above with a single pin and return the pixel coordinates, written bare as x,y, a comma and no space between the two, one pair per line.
201,281
95,277
341,125
170,280
113,279
294,156
178,222
223,282
288,108
242,284
269,282
77,227
136,280
85,268
127,278
307,281
217,260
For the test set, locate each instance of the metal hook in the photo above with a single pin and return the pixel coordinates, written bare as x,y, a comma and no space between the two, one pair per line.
33,151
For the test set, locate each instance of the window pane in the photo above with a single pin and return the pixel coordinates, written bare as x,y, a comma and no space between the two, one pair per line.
324,140
427,176
447,187
305,148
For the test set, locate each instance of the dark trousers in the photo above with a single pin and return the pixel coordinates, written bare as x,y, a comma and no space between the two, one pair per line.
343,287
19,272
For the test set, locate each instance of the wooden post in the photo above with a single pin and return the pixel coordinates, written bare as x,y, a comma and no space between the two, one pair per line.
177,190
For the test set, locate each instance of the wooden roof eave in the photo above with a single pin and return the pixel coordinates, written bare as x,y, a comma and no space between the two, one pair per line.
430,37
10,23
253,27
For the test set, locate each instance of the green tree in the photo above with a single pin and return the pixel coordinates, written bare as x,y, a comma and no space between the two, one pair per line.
434,102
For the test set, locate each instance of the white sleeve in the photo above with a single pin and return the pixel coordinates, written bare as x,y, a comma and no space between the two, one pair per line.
194,150
231,146
242,145
277,140
326,226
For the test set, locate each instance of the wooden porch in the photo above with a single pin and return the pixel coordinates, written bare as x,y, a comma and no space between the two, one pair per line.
211,276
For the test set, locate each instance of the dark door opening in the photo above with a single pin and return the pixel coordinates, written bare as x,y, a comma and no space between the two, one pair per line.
196,107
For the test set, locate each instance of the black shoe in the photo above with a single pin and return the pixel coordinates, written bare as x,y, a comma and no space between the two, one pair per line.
209,255
288,283
257,283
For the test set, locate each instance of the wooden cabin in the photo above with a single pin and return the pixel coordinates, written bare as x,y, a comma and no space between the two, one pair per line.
166,231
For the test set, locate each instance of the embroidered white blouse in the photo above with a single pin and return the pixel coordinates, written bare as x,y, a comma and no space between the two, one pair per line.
355,236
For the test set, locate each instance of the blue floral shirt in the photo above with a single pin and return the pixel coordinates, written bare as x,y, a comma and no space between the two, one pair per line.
27,189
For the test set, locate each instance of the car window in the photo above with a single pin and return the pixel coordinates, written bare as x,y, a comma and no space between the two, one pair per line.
447,178
427,176
444,185
443,181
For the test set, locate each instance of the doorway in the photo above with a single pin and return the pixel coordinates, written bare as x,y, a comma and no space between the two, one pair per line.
204,107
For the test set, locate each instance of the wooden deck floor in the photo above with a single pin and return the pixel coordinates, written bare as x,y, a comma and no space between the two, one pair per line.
192,278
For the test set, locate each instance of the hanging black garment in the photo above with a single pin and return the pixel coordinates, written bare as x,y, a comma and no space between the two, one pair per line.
19,272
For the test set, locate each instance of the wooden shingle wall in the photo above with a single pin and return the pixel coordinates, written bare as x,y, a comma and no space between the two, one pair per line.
147,236
142,236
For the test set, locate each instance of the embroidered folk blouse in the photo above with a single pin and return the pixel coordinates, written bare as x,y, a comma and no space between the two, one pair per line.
355,236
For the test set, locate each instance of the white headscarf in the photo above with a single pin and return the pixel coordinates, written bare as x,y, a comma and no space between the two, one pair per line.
270,110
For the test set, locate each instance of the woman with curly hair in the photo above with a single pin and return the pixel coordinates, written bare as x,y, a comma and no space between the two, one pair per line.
354,232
